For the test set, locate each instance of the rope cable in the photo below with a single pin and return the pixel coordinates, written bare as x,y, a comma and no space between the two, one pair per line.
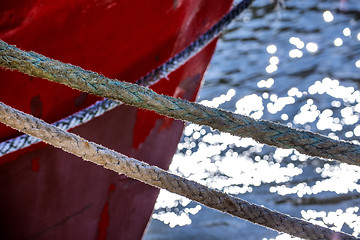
309,143
270,133
157,177
151,78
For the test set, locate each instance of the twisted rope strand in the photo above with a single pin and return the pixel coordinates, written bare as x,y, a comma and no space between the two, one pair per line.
157,177
151,78
263,131
67,123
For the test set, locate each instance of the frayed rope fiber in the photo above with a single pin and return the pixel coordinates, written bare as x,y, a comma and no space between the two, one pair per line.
263,131
157,177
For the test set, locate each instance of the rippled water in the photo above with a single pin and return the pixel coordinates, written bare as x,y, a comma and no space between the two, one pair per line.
300,66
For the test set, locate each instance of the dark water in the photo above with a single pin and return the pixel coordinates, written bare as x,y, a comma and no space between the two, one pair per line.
300,66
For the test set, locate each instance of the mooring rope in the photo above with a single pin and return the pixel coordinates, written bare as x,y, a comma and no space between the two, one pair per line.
67,123
263,131
157,177
151,78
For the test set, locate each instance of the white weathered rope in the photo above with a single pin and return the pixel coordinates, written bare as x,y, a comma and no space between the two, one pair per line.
67,123
151,78
154,176
263,131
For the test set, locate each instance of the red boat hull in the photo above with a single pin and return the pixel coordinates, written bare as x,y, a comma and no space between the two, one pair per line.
48,194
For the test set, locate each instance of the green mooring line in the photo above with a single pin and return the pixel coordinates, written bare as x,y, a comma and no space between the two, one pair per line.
263,131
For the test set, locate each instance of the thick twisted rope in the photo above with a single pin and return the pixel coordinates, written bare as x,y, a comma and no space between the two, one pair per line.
67,123
263,131
157,177
164,70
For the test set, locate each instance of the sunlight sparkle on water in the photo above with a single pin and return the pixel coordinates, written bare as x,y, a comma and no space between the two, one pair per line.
293,92
357,63
348,116
332,88
312,47
217,101
284,117
295,53
251,105
265,95
338,42
271,49
271,68
279,104
335,219
336,104
308,113
274,60
326,121
297,42
250,173
328,17
170,200
265,83
347,32
205,152
289,84
334,179
337,177
283,236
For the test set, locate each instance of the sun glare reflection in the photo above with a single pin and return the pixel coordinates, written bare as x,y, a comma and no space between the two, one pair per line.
347,32
328,17
216,102
357,63
308,113
279,103
171,201
252,105
338,42
266,83
310,83
295,53
205,152
274,60
271,68
297,42
312,47
271,49
335,219
283,237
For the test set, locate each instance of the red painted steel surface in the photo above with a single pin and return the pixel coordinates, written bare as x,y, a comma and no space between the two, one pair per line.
48,194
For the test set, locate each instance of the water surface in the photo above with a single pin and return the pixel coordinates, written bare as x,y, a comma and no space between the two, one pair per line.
300,66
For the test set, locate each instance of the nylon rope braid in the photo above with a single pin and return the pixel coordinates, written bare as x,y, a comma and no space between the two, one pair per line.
270,133
151,78
157,177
